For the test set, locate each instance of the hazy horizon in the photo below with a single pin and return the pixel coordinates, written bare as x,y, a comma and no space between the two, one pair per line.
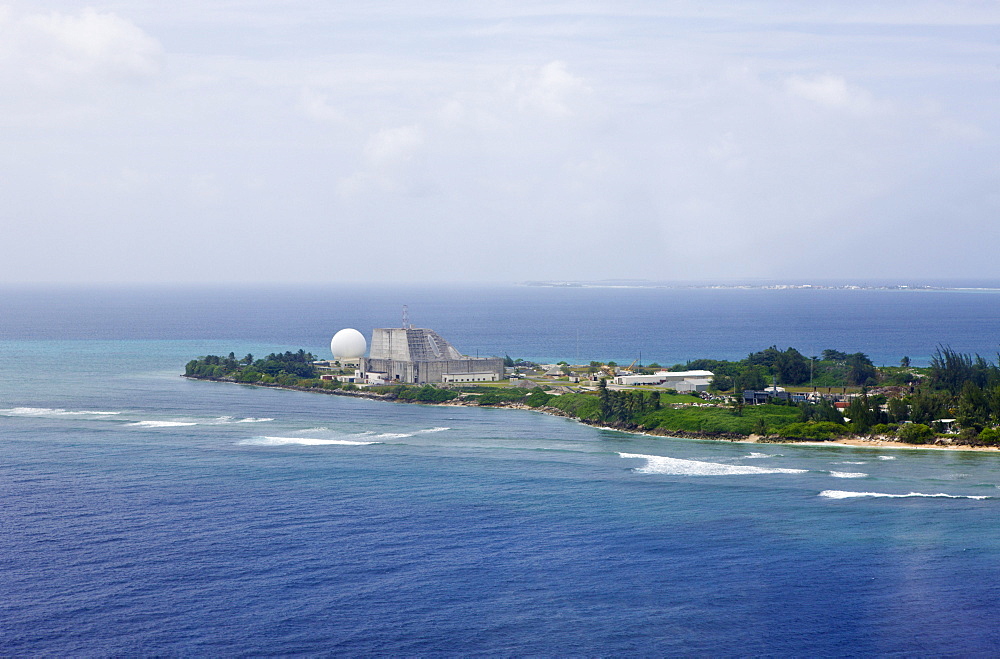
323,143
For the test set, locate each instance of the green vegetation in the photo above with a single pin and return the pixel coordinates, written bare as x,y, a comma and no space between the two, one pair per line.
272,369
788,367
910,405
423,394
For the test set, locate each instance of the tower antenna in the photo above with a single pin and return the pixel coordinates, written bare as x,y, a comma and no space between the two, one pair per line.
406,317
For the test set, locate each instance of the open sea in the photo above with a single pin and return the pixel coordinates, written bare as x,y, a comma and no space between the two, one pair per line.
144,514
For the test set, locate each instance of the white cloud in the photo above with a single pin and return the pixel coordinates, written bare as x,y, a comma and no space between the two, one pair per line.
550,89
316,106
90,43
388,163
832,92
393,146
763,137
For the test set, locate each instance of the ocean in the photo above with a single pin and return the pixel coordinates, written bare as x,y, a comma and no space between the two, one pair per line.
145,514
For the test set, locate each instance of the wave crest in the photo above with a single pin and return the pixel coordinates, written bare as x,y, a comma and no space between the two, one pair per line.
840,494
162,424
657,464
302,441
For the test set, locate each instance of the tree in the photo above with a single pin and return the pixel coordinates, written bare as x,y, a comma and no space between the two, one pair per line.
751,377
508,362
722,382
898,410
973,407
791,367
834,356
927,405
860,371
862,416
905,362
605,398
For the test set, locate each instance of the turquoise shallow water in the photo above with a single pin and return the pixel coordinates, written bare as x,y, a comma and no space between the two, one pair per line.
146,514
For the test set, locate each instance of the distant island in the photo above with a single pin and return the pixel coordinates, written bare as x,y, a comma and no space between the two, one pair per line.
836,397
646,283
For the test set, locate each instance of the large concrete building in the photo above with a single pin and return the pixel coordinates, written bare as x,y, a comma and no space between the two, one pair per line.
416,355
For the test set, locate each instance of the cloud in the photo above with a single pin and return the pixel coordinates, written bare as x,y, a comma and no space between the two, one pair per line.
766,138
91,43
393,146
832,92
550,90
388,156
317,107
57,69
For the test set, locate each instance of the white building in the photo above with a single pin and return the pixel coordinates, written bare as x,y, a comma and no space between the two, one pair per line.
679,380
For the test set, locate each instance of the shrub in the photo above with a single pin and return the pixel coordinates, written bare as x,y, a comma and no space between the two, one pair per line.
538,398
990,436
816,430
915,433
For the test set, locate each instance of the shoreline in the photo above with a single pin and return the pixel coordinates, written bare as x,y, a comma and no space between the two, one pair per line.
852,442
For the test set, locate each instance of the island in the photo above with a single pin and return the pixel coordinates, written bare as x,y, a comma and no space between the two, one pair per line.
836,397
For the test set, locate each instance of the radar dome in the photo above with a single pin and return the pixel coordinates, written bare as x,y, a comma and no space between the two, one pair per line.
348,344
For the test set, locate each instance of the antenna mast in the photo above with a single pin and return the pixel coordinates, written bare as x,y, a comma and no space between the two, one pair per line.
406,317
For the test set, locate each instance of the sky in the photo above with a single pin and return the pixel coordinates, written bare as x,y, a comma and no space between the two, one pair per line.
319,141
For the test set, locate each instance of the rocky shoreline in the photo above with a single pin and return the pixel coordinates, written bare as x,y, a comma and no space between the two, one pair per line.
852,441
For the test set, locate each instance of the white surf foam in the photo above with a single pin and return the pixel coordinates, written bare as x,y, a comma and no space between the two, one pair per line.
303,441
840,494
162,424
847,474
757,456
231,419
434,430
848,462
657,464
886,457
50,411
393,435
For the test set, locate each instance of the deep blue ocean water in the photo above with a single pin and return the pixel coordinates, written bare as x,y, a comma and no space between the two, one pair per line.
144,514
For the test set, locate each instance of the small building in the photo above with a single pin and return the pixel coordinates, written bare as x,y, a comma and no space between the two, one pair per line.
693,384
490,376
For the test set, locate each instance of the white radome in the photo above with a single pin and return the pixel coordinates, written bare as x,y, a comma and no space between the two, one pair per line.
348,344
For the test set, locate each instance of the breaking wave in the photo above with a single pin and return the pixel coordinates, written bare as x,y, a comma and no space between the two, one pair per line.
656,464
162,424
302,441
848,474
250,419
50,411
840,494
434,430
886,457
755,456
